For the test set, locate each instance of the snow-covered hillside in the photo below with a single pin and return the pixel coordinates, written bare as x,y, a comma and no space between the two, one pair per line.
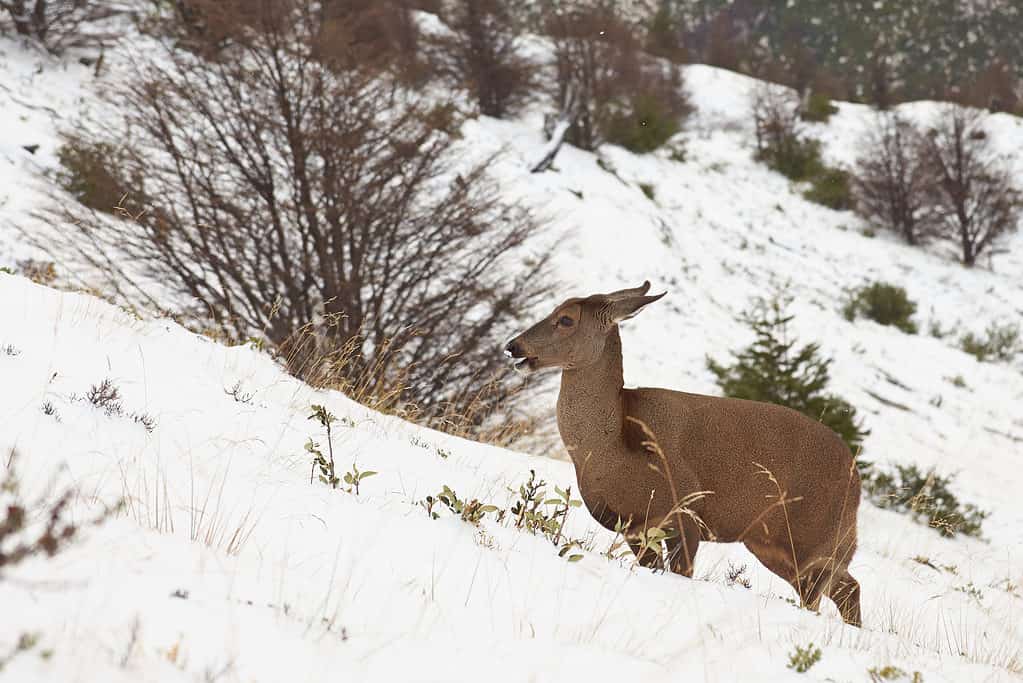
228,564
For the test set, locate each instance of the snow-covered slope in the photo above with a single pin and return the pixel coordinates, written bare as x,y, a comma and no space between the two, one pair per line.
227,564
328,585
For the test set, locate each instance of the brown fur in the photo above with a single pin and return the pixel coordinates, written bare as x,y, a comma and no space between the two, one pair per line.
777,481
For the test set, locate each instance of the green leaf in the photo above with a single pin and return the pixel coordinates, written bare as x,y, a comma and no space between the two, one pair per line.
574,558
367,473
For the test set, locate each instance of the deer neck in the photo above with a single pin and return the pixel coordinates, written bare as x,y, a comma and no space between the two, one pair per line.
590,411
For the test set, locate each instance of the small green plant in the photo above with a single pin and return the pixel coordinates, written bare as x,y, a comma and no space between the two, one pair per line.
893,673
536,513
651,540
884,303
648,190
885,673
925,496
971,591
999,343
958,381
818,108
7,271
471,511
354,477
925,561
774,370
803,658
830,187
26,641
324,463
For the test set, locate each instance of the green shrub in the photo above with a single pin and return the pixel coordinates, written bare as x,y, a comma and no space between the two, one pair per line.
925,496
646,125
831,187
774,370
1000,343
803,658
818,108
795,157
883,303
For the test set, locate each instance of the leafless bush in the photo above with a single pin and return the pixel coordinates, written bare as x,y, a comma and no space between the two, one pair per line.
60,24
367,33
780,137
893,182
605,85
596,57
975,197
29,529
483,53
322,208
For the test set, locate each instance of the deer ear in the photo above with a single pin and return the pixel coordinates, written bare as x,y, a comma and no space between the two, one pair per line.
625,308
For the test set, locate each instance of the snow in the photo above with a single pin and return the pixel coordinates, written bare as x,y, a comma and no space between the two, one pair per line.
323,585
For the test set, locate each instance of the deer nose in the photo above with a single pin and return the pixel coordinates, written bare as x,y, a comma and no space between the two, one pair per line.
514,350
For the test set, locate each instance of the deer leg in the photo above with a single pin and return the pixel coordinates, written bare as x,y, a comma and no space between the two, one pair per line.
844,591
682,549
810,586
647,557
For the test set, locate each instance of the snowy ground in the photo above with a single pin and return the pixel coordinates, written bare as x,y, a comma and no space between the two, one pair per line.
327,585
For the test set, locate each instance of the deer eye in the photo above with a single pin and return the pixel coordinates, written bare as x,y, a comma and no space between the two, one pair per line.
565,321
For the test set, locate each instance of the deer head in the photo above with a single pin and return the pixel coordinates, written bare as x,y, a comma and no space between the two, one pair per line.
574,334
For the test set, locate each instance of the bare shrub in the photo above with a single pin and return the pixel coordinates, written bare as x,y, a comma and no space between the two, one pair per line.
975,197
781,142
483,53
322,208
43,527
367,33
60,24
892,181
603,81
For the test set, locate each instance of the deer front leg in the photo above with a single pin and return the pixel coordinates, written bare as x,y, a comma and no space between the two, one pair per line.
646,556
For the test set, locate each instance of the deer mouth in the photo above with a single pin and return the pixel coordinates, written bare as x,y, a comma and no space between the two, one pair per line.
527,364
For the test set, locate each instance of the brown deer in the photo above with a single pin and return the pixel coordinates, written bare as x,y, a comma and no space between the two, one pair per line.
700,468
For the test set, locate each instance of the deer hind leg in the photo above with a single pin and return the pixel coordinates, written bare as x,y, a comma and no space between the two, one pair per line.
844,591
682,549
781,563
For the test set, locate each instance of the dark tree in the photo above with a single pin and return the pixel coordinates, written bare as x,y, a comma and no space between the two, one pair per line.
975,196
483,53
323,208
892,181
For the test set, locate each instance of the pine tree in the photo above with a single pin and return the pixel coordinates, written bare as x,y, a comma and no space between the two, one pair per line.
774,369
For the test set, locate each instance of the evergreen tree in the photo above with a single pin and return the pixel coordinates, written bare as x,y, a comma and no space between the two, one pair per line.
774,369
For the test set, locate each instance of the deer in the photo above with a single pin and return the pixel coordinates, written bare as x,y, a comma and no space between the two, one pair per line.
697,468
